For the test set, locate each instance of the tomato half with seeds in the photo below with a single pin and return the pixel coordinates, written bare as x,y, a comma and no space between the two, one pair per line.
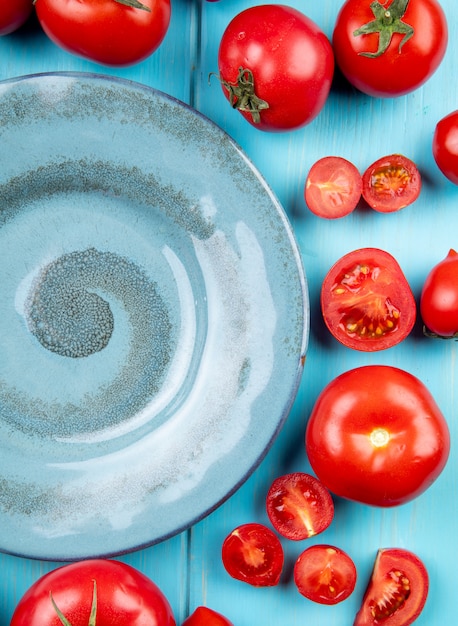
366,301
333,187
391,183
203,616
253,554
439,299
377,436
299,506
397,591
325,574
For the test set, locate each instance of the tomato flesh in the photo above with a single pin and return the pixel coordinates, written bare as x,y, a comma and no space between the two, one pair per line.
366,301
376,435
253,554
391,183
397,590
439,298
333,187
203,616
325,574
299,506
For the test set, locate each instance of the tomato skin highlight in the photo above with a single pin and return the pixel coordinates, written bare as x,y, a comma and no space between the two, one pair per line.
376,436
293,79
366,301
397,590
333,187
253,554
445,146
325,574
439,298
395,72
204,616
391,183
299,506
125,596
105,31
14,14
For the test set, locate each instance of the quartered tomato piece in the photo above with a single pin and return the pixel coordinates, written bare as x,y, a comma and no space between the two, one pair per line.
253,554
325,574
391,183
204,616
366,301
299,506
439,299
397,590
333,187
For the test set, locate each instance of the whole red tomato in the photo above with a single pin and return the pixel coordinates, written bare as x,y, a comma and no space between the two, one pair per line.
445,146
98,592
388,48
13,14
376,435
110,32
275,66
204,616
439,298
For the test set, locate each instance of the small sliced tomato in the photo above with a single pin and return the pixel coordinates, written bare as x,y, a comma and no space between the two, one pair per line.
325,574
391,183
299,506
333,187
397,590
366,301
253,554
204,616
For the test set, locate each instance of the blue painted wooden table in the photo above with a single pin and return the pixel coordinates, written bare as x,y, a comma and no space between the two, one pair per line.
188,567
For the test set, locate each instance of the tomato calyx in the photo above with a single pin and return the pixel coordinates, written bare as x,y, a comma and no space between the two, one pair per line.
92,616
242,95
387,22
428,333
134,4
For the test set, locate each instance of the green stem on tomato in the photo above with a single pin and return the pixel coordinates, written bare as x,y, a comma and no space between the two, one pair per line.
388,20
92,616
242,95
134,4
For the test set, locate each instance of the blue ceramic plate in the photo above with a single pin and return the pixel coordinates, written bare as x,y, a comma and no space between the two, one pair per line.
153,320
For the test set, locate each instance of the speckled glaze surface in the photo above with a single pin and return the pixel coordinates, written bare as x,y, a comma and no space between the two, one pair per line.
153,313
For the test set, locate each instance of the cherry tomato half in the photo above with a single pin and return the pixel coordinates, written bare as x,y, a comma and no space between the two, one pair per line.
275,87
388,49
333,187
377,436
366,301
445,146
116,591
253,554
391,183
397,590
299,506
325,574
110,32
13,14
439,298
204,616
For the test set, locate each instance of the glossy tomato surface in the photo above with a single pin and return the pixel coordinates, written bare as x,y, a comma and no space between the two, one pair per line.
253,554
203,616
109,32
275,87
376,435
124,596
299,506
391,183
389,49
325,574
333,187
439,298
366,300
397,590
13,14
445,146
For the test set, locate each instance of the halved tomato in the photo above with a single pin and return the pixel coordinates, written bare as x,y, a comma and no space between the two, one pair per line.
397,590
391,183
325,574
333,187
253,554
299,506
366,301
